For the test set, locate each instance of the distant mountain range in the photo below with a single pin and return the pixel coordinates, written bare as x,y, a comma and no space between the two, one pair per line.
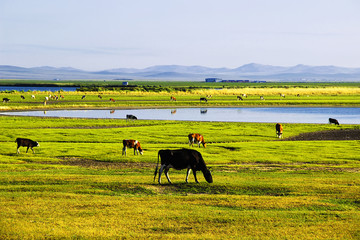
250,71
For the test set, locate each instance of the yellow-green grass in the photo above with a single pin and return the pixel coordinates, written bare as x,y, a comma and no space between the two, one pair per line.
78,185
315,96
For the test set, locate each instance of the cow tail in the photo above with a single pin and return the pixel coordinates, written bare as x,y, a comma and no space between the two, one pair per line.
156,166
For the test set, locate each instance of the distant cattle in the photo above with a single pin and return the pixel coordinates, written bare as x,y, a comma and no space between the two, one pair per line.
262,98
282,95
24,142
203,99
196,138
83,97
240,98
99,96
130,117
279,130
135,144
181,159
112,100
173,98
33,96
46,98
22,97
5,100
334,121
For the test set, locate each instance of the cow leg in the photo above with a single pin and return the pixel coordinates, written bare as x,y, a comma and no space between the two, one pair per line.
27,149
167,174
160,172
32,150
194,172
17,150
124,151
187,174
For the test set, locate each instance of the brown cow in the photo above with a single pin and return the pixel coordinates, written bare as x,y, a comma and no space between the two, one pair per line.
135,144
279,130
196,138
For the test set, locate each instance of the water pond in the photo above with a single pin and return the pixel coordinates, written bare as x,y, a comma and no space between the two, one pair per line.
270,115
41,89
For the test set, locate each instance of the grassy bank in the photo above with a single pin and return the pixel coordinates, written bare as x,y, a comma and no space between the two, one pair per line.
215,98
78,185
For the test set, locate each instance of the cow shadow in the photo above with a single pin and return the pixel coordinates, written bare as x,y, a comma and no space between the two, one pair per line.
231,148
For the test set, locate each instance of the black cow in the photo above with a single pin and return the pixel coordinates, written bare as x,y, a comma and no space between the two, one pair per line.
5,100
203,99
22,97
84,96
181,159
334,121
24,142
130,117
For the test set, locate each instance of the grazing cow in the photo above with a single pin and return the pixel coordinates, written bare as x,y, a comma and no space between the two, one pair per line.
334,121
203,99
22,97
5,100
99,96
130,117
135,144
112,100
83,97
240,98
33,96
279,130
24,142
173,98
282,95
181,159
196,138
262,98
46,98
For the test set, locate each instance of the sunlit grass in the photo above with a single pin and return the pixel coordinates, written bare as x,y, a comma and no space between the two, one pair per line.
78,185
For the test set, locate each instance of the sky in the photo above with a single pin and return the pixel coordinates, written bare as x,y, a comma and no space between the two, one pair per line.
106,34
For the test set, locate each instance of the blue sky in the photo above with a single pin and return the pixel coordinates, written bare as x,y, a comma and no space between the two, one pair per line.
106,34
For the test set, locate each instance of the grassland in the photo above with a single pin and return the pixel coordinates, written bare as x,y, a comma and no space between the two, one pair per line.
78,185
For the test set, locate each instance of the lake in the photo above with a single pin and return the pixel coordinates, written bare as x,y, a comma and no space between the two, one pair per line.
269,115
41,89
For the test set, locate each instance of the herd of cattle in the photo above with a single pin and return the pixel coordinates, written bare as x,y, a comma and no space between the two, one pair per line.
178,159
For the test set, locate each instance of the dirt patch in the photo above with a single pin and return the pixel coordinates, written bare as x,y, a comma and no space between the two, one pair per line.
341,134
89,163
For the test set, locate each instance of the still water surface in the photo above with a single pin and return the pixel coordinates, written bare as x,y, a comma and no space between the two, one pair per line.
271,115
41,89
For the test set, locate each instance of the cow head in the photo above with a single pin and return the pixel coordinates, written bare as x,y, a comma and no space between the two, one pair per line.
207,175
37,144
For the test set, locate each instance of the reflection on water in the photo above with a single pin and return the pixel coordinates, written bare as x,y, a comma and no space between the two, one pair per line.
203,110
272,115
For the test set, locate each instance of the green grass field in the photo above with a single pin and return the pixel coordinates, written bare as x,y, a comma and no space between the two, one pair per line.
78,185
